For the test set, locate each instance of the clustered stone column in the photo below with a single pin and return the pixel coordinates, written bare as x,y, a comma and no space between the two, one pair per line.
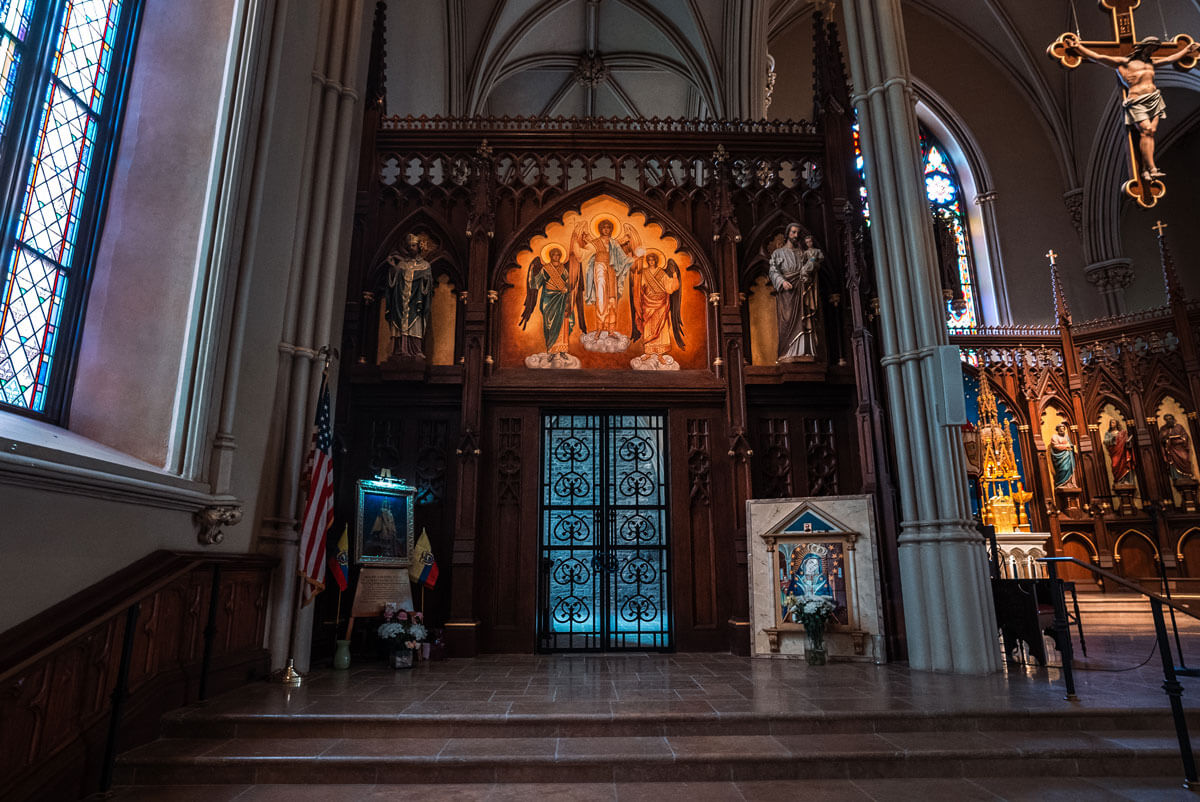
313,295
948,611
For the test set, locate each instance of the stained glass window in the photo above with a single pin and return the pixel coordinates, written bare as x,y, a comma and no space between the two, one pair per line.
944,193
55,139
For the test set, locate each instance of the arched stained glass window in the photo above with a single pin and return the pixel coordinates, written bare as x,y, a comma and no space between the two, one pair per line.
57,119
946,199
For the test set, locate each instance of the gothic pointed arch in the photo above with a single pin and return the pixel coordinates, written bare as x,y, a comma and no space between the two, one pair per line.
573,200
449,256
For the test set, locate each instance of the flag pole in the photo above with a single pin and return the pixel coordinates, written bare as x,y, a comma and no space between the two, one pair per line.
289,675
337,617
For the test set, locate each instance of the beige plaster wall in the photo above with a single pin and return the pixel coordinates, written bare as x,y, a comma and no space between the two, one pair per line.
1181,161
1027,177
1014,144
136,320
66,541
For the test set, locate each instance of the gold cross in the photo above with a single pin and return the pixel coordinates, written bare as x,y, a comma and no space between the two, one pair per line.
1146,193
1159,228
1052,255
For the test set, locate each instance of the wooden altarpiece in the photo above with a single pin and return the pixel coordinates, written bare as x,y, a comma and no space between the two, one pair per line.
1108,378
463,423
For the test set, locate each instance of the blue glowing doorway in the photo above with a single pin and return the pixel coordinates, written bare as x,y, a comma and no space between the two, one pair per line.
603,569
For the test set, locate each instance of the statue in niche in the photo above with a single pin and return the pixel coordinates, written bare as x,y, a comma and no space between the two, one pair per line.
1177,451
551,285
1118,442
1062,457
654,300
793,272
409,295
606,262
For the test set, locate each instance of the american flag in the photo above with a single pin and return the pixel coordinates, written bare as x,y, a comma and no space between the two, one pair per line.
318,509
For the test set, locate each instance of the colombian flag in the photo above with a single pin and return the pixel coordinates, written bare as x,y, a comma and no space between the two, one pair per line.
339,563
424,570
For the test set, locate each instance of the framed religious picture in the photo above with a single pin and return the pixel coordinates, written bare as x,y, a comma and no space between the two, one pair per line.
383,534
810,568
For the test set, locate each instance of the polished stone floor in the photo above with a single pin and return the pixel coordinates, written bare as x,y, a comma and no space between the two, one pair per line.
703,702
1122,670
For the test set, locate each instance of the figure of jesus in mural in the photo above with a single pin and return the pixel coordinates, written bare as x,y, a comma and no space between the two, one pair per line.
654,306
606,261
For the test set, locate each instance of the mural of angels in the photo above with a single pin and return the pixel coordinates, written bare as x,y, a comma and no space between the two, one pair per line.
552,286
610,289
654,302
606,260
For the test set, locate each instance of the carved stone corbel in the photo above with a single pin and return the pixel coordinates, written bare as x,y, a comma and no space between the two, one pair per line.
212,519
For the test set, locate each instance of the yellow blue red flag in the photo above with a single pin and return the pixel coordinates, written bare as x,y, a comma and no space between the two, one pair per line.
424,570
339,563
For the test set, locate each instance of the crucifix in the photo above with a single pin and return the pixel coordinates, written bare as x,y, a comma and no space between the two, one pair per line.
1135,61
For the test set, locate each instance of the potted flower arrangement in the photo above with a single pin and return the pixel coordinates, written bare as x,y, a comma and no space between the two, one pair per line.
401,631
815,613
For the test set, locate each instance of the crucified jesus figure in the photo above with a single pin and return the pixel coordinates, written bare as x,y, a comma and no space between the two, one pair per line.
1144,105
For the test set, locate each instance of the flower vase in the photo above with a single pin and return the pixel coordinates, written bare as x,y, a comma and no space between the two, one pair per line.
401,657
814,653
341,655
425,650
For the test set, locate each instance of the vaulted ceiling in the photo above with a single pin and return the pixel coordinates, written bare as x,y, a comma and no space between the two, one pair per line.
623,58
980,63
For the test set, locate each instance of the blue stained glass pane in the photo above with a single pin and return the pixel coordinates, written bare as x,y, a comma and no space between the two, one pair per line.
58,176
939,189
10,61
15,15
862,173
42,256
32,306
934,161
85,48
945,197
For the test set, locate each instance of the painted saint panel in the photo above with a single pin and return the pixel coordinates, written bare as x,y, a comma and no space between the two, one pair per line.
813,568
604,288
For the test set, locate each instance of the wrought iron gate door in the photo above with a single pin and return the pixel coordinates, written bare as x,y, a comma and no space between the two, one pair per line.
604,564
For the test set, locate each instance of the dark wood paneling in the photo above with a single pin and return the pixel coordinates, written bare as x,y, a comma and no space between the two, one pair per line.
58,670
702,529
506,573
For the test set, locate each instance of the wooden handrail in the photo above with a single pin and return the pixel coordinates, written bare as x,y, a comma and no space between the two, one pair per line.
1123,582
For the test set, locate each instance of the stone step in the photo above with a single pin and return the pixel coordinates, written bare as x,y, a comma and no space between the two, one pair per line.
689,758
653,721
1025,789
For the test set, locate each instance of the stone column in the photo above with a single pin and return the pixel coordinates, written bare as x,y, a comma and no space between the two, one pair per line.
943,564
314,294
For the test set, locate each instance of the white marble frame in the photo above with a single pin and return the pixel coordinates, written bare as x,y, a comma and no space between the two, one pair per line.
852,519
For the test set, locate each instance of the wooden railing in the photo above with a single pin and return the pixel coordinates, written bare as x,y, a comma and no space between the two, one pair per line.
94,674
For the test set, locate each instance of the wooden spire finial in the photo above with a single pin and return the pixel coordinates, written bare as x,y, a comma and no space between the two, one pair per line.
1061,310
1171,283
